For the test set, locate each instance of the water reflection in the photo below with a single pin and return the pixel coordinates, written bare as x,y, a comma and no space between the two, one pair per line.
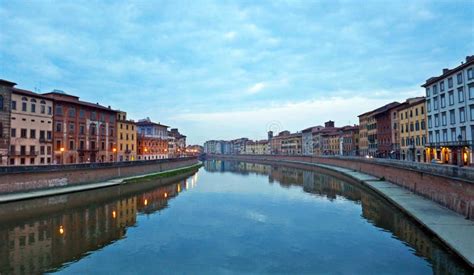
374,209
44,234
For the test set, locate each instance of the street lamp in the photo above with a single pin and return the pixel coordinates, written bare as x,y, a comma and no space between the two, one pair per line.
115,153
62,154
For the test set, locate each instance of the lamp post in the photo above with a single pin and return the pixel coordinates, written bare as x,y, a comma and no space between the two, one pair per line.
62,154
114,150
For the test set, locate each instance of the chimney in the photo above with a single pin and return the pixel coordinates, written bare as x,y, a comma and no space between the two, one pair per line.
270,135
329,124
445,70
469,58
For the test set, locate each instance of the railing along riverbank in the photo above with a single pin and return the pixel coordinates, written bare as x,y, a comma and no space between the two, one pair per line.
450,186
18,179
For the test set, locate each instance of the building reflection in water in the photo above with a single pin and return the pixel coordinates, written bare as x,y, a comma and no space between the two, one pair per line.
374,209
36,237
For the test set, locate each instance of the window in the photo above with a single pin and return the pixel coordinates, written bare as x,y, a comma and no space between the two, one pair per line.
459,76
82,129
23,133
462,117
428,104
72,112
452,117
430,136
422,125
417,126
42,135
471,92
450,82
49,135
470,73
50,110
435,103
59,110
71,145
32,133
93,116
427,92
71,127
441,86
443,101
82,113
13,134
453,134
58,126
13,105
451,97
23,106
58,145
444,119
436,120
33,108
43,109
471,109
429,122
435,89
460,94
445,135
437,136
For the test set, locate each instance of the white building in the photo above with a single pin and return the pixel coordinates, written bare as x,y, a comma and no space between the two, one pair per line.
450,113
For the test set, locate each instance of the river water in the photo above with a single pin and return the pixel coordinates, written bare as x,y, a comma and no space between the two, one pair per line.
230,217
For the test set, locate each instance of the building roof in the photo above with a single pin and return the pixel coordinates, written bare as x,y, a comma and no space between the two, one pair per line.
58,95
148,122
312,129
7,83
411,102
28,93
381,109
447,72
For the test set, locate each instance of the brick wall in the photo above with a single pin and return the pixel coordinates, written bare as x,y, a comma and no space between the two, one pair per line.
450,186
29,178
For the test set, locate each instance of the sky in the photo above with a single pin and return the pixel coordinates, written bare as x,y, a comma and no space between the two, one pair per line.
229,69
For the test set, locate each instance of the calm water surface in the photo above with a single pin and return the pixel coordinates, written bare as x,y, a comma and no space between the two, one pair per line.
230,217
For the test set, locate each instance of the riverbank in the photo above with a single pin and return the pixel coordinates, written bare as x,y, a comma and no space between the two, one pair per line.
83,187
451,228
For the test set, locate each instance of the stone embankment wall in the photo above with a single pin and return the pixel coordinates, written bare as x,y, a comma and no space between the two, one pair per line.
450,186
29,178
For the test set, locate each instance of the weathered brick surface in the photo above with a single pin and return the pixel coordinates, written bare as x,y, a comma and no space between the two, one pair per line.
31,178
456,193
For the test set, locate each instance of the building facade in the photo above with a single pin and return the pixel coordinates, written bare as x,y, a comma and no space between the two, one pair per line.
126,138
31,124
152,140
450,114
384,137
308,141
5,104
177,143
83,132
412,129
350,141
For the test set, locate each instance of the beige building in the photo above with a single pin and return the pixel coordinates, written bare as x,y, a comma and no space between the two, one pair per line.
126,138
259,147
31,128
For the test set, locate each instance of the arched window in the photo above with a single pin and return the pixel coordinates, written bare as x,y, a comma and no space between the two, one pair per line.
1,103
24,99
43,102
33,100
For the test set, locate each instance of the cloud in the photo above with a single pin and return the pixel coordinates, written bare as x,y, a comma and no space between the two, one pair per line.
257,87
230,35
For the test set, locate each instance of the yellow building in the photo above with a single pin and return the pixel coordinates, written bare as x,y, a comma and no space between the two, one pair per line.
126,138
412,129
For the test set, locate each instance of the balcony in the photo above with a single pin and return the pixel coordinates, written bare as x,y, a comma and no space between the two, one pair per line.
45,140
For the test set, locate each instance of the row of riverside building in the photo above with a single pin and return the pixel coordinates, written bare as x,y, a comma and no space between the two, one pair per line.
59,128
438,127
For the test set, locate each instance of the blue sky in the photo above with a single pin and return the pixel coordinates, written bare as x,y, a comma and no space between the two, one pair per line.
226,69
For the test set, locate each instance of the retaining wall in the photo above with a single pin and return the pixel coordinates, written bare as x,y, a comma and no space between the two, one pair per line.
449,186
29,178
